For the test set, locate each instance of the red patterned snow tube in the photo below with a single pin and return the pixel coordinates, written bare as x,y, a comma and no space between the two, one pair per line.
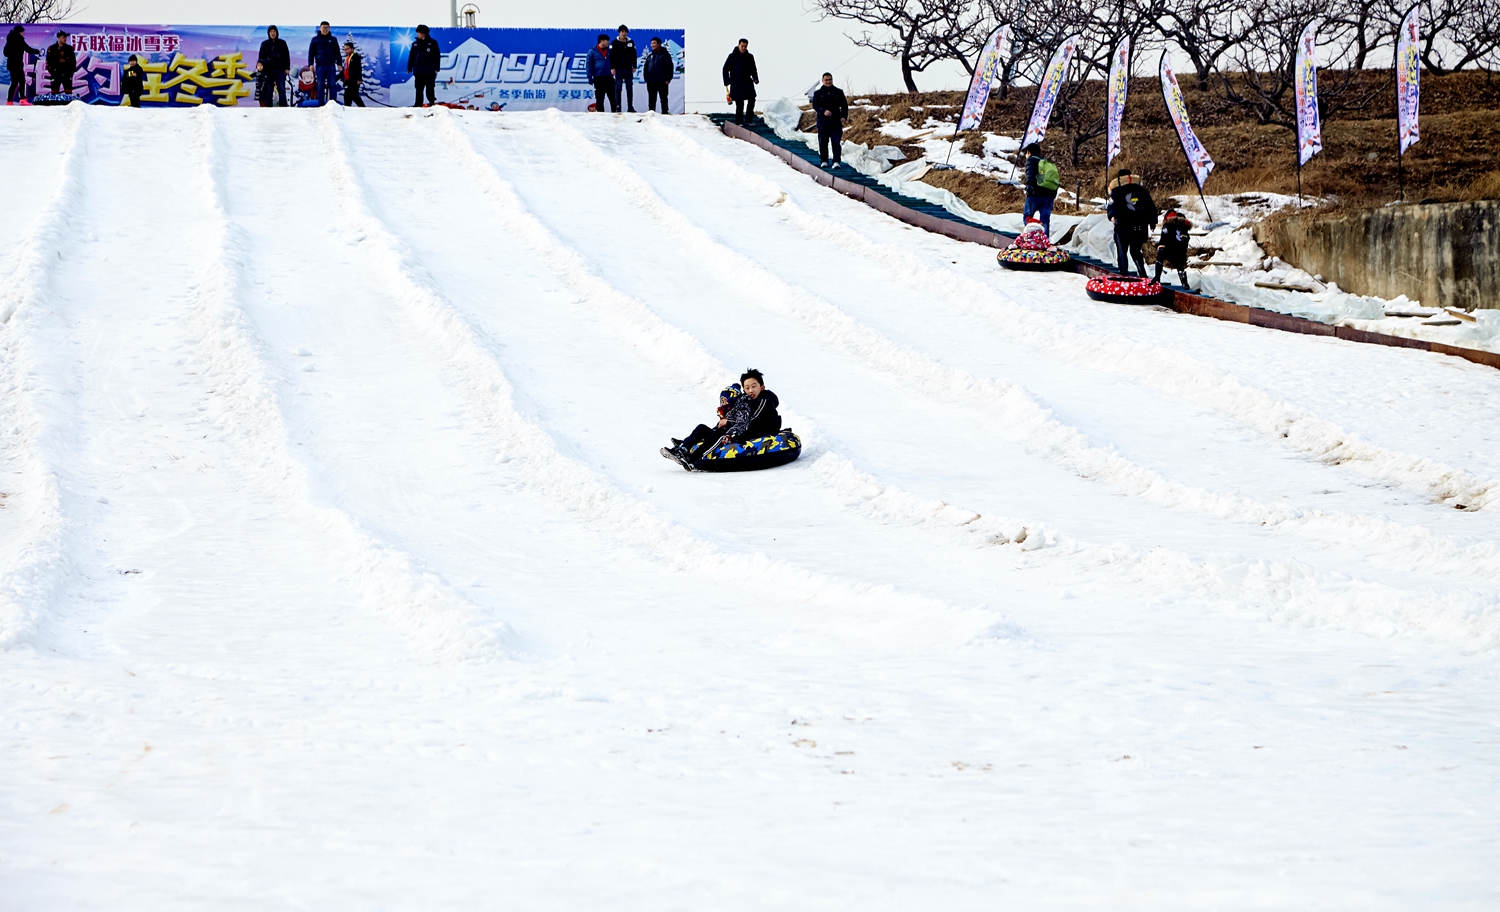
1124,289
1014,257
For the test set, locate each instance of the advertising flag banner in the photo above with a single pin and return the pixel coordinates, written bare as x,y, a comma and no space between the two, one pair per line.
1309,124
1409,78
528,69
1119,83
1047,89
1197,156
991,58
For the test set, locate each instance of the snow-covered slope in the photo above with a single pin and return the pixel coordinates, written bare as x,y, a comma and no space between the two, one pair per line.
338,568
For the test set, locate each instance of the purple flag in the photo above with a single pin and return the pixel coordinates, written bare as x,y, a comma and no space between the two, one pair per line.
991,57
1408,78
1309,124
1119,82
1047,89
1197,156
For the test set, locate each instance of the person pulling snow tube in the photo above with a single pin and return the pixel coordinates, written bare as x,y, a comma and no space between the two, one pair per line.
758,453
1033,250
1124,289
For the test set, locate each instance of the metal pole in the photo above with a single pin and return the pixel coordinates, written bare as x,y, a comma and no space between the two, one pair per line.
1400,172
453,13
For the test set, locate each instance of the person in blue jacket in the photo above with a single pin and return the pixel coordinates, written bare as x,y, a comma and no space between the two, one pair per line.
602,76
423,63
323,54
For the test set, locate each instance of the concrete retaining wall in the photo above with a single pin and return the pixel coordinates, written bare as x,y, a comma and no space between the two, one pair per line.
1442,254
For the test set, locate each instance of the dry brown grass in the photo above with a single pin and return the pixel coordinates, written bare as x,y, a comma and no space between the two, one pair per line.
978,191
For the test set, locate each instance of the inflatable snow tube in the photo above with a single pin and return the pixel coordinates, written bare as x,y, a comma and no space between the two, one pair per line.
759,453
49,100
1124,289
1020,258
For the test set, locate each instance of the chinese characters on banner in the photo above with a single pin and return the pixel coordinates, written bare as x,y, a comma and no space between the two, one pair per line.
1408,79
492,69
1119,83
527,69
1309,124
1046,94
991,58
1197,156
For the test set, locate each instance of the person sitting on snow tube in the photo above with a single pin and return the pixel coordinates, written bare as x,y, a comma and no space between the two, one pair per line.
1033,250
749,425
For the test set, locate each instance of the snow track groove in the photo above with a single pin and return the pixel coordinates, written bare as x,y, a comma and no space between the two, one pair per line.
38,423
1160,368
388,579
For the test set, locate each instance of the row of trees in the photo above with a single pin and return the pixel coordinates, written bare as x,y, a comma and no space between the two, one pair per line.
1244,48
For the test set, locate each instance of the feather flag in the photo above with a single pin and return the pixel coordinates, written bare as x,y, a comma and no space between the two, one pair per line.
1119,82
1309,123
1409,78
1197,156
991,58
1047,89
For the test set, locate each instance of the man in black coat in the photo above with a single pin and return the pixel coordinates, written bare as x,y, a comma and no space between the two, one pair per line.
832,108
622,61
274,62
61,64
1134,214
354,75
740,80
660,68
324,57
423,62
16,50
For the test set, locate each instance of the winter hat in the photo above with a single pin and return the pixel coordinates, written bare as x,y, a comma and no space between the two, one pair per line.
728,397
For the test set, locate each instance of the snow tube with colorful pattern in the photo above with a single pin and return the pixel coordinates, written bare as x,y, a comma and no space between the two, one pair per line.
759,453
49,100
1124,289
1014,257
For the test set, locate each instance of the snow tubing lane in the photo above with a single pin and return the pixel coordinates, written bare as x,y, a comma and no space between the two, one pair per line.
1122,289
759,453
1019,258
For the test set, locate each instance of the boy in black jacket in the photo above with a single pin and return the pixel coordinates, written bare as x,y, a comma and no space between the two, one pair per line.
622,61
832,108
133,82
1172,251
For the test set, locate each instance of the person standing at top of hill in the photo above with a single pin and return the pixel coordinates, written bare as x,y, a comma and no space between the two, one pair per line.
659,70
832,108
740,80
274,62
423,62
354,75
602,76
16,50
133,81
62,62
323,54
1134,214
622,61
1042,181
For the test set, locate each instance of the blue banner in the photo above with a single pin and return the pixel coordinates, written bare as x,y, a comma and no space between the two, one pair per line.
528,69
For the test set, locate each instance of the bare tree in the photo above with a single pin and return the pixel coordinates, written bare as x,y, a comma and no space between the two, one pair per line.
1205,30
35,10
918,33
1459,33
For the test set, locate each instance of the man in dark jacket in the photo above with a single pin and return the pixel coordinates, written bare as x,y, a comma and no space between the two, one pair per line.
1039,199
133,81
61,64
323,55
1134,214
622,61
659,70
274,62
354,75
423,62
602,76
832,109
16,50
740,80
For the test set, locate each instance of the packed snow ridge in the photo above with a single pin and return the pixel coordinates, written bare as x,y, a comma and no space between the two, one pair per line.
338,567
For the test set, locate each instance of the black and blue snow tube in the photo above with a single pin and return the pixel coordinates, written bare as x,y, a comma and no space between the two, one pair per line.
757,453
58,99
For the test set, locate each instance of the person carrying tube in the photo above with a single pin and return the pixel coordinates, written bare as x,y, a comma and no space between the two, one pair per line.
740,79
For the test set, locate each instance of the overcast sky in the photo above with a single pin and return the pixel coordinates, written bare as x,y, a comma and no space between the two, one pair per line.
791,47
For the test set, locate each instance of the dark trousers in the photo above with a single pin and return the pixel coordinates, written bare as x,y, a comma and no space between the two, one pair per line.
604,90
326,76
17,85
625,85
272,85
135,99
1041,207
655,90
1128,241
1181,273
61,85
830,132
351,96
426,82
703,437
742,107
